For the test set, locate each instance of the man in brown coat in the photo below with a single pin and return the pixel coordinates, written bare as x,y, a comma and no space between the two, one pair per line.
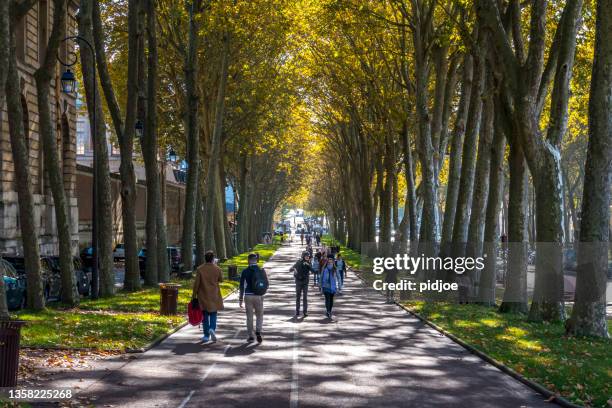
206,289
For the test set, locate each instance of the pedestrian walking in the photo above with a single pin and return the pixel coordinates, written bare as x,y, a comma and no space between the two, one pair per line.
316,268
301,272
253,285
302,237
322,264
329,285
207,291
341,269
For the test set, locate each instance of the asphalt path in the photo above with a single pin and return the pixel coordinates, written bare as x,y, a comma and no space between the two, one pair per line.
371,354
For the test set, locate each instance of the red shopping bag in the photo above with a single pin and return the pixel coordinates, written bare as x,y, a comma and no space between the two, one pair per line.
194,313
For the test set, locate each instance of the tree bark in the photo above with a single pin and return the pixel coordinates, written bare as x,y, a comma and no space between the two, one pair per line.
589,313
466,183
23,183
150,148
151,129
486,286
5,47
515,295
192,101
43,76
456,151
126,145
544,160
481,176
211,208
106,284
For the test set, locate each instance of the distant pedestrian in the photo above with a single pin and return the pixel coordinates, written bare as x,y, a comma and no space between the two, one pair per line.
329,285
322,264
208,292
301,272
316,268
302,237
318,238
253,285
341,269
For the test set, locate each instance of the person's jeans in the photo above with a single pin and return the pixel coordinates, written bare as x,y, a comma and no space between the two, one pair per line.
210,322
341,279
315,279
329,301
301,287
254,303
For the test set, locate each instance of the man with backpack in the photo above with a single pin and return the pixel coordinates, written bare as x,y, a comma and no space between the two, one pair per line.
301,272
253,285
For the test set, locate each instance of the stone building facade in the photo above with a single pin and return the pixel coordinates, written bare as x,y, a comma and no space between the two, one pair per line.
32,33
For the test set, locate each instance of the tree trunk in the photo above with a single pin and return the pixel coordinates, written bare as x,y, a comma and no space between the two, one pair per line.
149,149
395,203
5,44
106,284
218,221
466,183
126,144
43,76
200,245
486,286
192,102
211,209
456,151
23,183
230,249
162,238
481,176
429,226
515,295
589,313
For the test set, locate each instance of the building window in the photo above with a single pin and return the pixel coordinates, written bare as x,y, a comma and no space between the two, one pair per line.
43,27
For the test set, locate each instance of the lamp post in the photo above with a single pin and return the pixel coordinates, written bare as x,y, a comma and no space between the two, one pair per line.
172,155
68,82
139,130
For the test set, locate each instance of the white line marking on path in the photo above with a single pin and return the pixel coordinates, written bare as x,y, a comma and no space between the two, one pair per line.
294,398
207,373
186,399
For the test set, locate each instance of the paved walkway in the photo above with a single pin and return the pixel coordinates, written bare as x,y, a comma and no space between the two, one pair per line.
372,354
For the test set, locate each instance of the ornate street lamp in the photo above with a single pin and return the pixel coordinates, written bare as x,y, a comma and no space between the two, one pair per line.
139,129
172,155
68,82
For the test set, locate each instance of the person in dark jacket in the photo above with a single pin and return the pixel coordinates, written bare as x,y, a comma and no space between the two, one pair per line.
252,301
301,272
